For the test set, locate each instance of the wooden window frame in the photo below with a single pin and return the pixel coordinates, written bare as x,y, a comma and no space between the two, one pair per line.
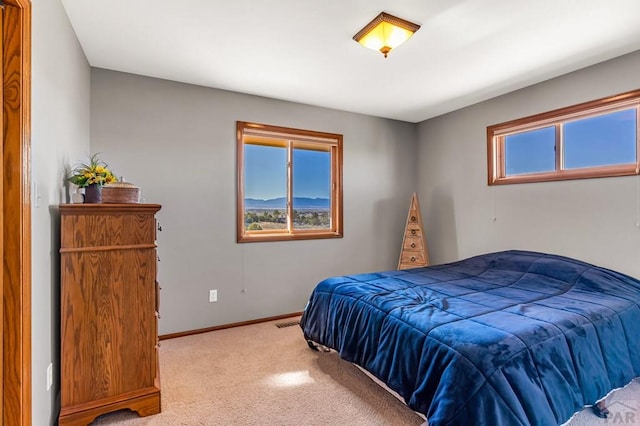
297,136
496,140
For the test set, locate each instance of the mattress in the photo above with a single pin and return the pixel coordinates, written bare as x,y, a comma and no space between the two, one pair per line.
510,338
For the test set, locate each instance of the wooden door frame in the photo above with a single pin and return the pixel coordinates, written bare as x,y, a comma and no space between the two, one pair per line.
16,214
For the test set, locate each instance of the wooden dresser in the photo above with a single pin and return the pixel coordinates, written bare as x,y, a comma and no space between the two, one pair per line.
109,311
414,253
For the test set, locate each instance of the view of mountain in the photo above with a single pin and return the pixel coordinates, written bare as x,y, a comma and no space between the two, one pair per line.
280,203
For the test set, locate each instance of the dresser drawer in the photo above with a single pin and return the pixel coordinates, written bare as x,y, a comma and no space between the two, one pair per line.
412,243
413,217
410,257
412,231
157,297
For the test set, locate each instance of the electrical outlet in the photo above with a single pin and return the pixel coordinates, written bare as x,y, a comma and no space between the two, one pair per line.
49,376
213,296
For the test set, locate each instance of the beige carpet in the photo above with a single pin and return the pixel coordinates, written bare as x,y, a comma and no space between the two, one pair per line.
264,375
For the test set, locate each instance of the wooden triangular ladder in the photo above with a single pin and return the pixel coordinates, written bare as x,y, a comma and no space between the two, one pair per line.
414,253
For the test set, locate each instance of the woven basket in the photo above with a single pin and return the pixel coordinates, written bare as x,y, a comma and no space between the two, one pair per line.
121,193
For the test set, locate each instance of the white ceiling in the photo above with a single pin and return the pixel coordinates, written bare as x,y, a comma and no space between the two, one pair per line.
302,50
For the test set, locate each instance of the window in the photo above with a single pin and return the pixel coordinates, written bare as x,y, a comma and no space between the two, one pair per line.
594,139
289,183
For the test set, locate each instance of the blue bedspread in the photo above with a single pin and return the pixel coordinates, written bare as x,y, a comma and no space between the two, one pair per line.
504,338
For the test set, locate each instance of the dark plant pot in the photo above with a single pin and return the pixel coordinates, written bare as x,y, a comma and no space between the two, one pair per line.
93,194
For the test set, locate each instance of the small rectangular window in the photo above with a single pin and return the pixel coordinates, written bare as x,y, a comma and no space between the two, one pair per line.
289,183
594,139
603,140
530,152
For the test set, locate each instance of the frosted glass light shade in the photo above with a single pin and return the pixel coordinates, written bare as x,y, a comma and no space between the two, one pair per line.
385,32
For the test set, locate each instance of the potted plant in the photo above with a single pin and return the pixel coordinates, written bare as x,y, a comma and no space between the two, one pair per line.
91,176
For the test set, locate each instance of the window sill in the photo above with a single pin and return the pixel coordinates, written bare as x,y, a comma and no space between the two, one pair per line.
587,173
264,237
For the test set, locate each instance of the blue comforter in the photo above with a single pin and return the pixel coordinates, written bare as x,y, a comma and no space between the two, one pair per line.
504,338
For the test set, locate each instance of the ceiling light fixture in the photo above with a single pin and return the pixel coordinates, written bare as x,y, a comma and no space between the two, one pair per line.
385,32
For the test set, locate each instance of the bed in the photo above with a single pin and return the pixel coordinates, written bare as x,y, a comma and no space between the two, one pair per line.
508,338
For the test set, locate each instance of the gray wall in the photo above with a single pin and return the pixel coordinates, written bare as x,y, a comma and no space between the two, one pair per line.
177,142
59,137
596,220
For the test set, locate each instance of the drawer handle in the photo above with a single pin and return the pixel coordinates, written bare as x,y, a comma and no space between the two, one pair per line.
413,218
413,232
413,245
413,258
